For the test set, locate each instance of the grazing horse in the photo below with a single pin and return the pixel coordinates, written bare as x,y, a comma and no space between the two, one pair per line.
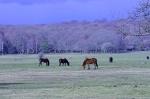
44,60
111,59
63,62
147,57
89,61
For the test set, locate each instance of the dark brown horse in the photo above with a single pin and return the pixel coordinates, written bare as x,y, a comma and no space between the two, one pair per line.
44,60
89,61
63,62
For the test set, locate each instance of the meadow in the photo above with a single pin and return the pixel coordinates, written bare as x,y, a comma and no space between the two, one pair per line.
128,77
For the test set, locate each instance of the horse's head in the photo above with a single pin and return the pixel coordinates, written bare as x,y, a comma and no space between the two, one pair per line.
68,63
84,64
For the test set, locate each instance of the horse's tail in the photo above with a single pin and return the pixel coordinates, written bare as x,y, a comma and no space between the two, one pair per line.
96,62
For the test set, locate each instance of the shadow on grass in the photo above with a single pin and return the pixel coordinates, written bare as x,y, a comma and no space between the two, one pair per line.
6,85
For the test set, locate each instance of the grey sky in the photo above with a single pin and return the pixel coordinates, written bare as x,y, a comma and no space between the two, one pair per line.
50,11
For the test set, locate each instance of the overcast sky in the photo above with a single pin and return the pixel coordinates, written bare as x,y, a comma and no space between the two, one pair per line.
50,11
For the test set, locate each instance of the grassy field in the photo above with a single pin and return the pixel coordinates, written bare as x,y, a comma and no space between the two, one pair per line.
127,78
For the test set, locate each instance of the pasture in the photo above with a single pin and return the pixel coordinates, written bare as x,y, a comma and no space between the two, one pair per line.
128,77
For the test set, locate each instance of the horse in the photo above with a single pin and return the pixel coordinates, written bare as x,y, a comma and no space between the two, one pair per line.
44,60
63,62
89,61
147,57
111,59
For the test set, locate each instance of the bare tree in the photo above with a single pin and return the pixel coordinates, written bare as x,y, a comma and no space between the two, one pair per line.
141,15
141,19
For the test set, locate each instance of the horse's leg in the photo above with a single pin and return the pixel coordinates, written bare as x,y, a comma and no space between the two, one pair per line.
40,63
84,67
88,67
46,63
96,66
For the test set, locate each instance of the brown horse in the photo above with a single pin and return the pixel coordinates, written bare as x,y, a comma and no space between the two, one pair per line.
89,61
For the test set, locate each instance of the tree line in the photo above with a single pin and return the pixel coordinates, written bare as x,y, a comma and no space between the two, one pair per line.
130,34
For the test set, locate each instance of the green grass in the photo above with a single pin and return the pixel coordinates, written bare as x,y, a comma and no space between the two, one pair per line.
136,59
127,78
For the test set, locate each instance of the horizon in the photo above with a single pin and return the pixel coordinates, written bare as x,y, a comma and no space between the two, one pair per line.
20,12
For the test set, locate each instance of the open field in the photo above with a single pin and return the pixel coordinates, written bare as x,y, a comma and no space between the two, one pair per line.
127,78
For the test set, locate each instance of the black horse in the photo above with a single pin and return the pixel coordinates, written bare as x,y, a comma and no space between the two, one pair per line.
111,59
147,57
44,60
63,62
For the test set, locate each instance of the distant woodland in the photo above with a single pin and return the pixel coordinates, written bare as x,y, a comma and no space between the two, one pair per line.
122,35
